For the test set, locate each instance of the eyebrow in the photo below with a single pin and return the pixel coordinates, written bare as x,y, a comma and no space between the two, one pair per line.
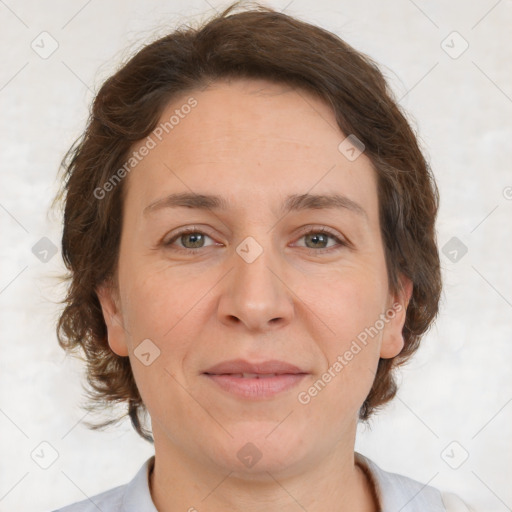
293,203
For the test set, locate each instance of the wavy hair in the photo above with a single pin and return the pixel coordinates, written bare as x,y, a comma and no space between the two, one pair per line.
258,42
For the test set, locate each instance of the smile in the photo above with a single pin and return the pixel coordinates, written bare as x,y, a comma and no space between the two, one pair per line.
255,386
255,380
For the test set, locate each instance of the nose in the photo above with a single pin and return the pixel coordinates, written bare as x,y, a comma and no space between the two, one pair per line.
255,296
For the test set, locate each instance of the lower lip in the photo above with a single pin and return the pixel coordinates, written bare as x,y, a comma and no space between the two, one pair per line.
257,388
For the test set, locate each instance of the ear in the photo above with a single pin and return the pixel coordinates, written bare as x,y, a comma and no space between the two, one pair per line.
110,305
392,339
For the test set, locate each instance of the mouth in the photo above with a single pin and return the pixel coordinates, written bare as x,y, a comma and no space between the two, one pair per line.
250,375
255,380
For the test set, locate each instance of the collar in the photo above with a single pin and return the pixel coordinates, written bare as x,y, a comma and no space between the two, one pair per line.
137,497
399,493
393,492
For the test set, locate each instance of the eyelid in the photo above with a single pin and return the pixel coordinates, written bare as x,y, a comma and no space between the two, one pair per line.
303,231
185,231
311,228
342,240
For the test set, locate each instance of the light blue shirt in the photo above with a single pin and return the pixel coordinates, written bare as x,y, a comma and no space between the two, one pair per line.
395,493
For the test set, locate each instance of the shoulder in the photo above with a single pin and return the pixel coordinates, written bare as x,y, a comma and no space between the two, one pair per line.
453,503
108,501
134,496
398,492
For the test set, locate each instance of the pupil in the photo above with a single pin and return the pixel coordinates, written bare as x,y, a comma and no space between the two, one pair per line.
195,239
316,237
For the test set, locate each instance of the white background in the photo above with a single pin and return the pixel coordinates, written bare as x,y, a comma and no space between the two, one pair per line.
458,387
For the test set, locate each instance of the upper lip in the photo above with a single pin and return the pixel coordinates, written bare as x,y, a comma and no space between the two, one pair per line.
236,366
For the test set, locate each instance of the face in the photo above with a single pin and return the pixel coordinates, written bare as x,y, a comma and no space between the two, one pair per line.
286,265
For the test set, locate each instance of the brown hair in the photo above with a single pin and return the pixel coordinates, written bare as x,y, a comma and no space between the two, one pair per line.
254,43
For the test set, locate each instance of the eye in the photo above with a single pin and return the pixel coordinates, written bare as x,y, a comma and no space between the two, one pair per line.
317,239
191,239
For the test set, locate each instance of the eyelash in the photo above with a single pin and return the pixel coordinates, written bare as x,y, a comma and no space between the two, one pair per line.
303,232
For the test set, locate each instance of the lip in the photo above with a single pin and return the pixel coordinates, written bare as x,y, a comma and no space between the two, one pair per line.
243,366
228,375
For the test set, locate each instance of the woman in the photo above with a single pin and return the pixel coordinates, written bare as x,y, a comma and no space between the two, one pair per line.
250,232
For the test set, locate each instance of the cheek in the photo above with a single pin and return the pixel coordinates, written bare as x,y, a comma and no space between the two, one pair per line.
160,309
158,302
346,301
166,308
350,353
350,308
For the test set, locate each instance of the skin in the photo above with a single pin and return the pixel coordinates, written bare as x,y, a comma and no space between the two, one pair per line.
253,142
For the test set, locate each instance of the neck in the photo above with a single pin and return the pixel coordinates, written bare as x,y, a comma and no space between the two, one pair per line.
335,482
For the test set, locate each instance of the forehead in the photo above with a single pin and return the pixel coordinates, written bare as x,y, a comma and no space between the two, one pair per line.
250,115
251,138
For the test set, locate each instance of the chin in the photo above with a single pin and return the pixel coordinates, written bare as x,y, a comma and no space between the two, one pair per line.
258,448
